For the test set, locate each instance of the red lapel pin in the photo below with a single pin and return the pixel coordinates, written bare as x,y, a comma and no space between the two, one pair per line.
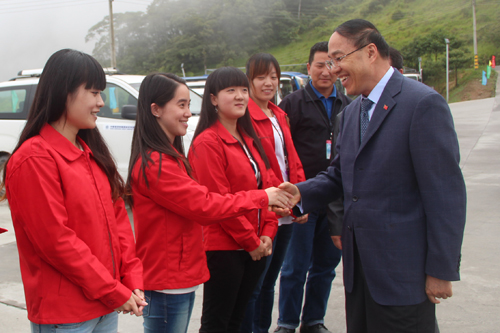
385,107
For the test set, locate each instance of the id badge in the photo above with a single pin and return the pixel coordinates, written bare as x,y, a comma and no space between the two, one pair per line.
328,149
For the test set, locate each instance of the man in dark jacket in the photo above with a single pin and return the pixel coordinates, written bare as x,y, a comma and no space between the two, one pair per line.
312,254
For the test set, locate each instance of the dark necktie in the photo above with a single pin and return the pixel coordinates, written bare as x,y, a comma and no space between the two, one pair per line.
364,119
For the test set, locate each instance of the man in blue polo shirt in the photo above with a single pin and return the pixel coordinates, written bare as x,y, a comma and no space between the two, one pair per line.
312,257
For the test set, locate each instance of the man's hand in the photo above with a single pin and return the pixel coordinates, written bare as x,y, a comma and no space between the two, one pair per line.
293,190
301,219
436,288
280,211
337,241
279,198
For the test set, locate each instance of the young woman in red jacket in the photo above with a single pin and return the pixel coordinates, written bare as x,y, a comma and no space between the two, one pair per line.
271,125
170,207
75,242
227,156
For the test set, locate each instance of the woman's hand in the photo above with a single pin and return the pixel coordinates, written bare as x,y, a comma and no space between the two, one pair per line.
268,243
140,293
133,305
279,198
259,252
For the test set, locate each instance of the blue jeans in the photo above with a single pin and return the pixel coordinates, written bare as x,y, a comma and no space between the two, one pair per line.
312,255
167,312
259,312
104,324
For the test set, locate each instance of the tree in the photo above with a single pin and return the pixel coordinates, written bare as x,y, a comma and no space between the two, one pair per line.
458,59
132,47
197,33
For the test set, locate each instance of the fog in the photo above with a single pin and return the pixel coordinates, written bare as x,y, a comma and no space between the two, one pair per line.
31,30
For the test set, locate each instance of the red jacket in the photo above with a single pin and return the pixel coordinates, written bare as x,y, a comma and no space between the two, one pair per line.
167,218
222,165
76,246
264,129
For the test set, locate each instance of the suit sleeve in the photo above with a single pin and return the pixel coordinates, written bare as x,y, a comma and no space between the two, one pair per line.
208,161
130,265
435,153
45,224
181,194
325,187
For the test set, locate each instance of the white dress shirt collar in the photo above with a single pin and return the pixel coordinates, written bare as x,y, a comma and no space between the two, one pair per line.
378,90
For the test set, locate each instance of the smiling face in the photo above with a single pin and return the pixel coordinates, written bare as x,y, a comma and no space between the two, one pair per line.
322,78
232,103
264,86
82,107
354,70
173,116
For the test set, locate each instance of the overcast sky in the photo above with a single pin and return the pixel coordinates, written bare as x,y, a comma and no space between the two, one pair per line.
31,30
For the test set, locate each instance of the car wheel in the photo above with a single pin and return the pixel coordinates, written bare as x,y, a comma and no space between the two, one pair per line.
3,159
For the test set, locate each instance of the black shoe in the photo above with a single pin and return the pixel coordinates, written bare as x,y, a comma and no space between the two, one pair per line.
318,328
281,329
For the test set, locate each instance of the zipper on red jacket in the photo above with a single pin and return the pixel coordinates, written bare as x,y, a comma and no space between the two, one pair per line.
112,254
258,222
104,210
249,155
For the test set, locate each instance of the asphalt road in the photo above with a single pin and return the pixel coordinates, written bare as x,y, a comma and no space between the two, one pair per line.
474,306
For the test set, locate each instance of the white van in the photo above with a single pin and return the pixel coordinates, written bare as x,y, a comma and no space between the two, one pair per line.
120,97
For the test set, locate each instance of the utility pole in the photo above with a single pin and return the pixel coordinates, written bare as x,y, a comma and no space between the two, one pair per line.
112,35
447,41
300,5
476,64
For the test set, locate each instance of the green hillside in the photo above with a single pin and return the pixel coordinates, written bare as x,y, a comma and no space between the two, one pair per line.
197,35
400,21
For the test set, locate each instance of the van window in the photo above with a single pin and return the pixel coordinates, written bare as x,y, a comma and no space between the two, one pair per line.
115,98
286,87
13,102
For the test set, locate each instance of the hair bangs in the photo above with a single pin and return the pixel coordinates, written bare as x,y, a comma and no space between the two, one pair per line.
260,64
93,74
225,77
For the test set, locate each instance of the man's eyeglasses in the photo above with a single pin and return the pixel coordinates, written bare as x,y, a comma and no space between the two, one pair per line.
333,63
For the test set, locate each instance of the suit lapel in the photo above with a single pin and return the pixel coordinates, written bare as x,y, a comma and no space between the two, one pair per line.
384,106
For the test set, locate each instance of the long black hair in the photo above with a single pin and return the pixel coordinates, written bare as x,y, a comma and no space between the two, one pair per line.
65,71
149,137
220,79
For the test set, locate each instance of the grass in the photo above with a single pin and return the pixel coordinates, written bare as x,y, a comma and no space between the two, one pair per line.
414,18
469,85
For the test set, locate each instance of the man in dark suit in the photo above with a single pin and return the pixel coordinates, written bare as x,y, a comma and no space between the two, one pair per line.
398,169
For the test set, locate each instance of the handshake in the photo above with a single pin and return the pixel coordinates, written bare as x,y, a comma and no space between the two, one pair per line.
283,198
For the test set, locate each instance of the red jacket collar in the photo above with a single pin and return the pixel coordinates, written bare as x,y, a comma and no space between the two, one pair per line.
224,134
257,114
62,145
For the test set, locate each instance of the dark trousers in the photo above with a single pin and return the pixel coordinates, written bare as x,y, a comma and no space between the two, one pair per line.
364,315
233,276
